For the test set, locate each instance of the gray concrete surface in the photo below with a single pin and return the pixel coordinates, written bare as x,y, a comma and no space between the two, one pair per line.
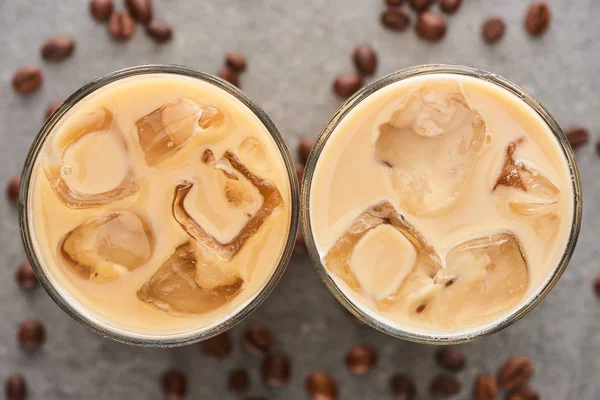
294,49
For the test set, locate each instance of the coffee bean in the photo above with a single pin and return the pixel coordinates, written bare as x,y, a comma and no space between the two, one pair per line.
101,9
403,387
121,26
15,387
395,19
361,359
450,6
300,246
321,386
236,61
516,372
299,173
218,346
52,107
431,26
141,10
486,387
525,393
12,189
31,334
392,3
276,370
227,73
25,276
365,59
450,358
577,135
27,79
538,17
174,383
420,5
239,381
345,85
159,30
597,286
357,321
493,30
58,48
305,145
258,340
444,386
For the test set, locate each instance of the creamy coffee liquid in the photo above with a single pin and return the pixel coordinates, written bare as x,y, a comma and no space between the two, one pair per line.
441,203
160,205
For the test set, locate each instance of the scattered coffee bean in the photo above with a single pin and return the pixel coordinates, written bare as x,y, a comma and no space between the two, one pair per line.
121,26
577,135
31,334
218,346
276,370
516,372
239,381
420,5
395,19
345,85
493,30
300,246
227,73
258,340
174,383
525,393
58,48
236,60
365,59
12,189
403,387
305,145
444,386
431,26
52,107
392,3
450,358
15,387
486,387
141,10
25,276
361,359
450,6
321,386
538,18
159,30
597,286
101,9
27,79
299,173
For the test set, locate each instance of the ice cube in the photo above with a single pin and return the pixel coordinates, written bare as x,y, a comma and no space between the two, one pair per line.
104,248
430,146
87,162
174,287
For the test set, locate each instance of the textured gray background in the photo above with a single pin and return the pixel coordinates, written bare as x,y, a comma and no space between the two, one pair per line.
295,48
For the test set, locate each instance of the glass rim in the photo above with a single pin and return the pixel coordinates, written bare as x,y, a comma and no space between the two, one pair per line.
97,325
500,323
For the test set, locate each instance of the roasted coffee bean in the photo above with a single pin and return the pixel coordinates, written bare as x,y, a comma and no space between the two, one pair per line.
450,358
345,85
300,246
403,387
395,19
121,26
525,393
12,189
486,387
15,387
236,60
361,359
420,5
227,73
538,17
450,6
299,173
27,79
218,346
392,3
159,30
276,370
258,340
305,145
31,334
431,26
141,10
101,9
25,276
239,381
516,372
365,59
597,285
174,383
58,48
493,30
52,107
444,386
577,135
321,386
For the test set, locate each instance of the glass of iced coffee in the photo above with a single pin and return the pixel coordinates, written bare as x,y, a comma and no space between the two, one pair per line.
441,204
159,206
